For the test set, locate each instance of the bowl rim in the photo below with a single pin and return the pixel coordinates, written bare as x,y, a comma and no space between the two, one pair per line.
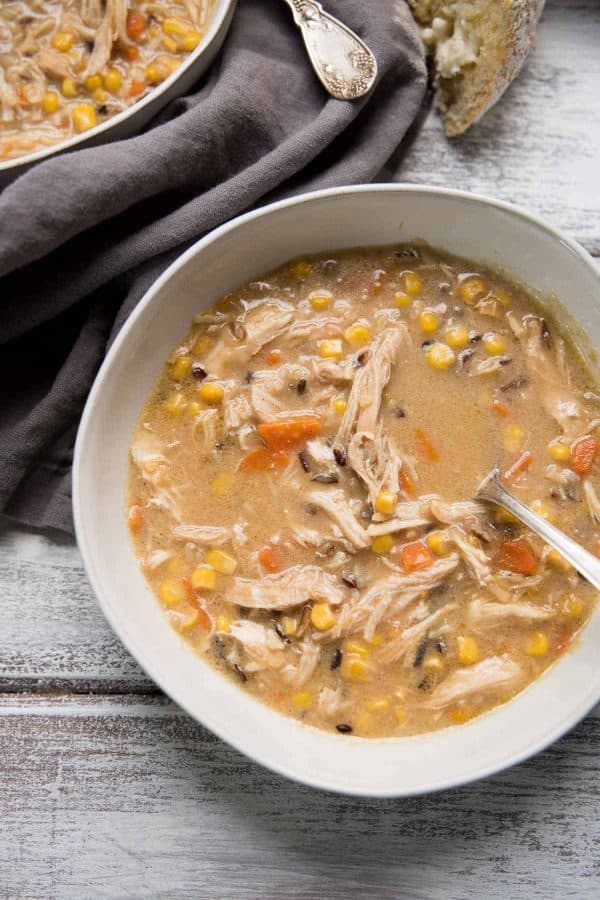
150,666
218,21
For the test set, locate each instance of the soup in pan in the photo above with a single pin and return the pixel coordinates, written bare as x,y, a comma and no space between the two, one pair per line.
301,481
67,65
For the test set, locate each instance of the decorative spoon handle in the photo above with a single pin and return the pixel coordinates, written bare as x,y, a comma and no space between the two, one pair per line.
344,63
492,490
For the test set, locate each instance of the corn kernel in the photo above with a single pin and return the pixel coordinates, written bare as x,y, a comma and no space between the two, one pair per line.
84,117
339,405
573,607
63,41
322,616
503,296
302,700
175,26
223,624
331,349
192,619
557,561
400,715
172,591
93,81
432,663
221,561
457,337
68,87
211,393
382,544
495,344
194,408
413,283
170,44
358,335
181,368
175,403
504,517
99,96
301,269
222,484
472,289
355,647
378,704
155,73
543,510
538,644
440,356
386,502
363,722
460,714
112,80
513,437
468,650
190,41
559,451
428,322
354,668
402,300
289,626
320,299
204,578
437,543
376,640
51,102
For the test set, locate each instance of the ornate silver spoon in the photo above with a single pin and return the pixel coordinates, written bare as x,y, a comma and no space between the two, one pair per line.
493,491
344,63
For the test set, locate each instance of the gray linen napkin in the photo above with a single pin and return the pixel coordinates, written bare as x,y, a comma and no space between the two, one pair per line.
82,236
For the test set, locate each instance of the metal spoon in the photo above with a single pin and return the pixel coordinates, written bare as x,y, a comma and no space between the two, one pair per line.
493,491
344,63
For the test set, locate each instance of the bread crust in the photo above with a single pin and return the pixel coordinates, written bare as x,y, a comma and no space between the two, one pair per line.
490,77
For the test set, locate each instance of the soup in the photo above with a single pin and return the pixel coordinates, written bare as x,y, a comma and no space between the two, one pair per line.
301,481
68,65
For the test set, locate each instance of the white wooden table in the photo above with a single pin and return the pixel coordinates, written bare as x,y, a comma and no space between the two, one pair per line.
108,790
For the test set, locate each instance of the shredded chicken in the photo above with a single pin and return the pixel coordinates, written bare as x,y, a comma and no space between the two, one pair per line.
148,454
496,673
334,503
330,372
242,338
237,411
403,647
369,382
299,673
375,461
488,366
331,701
476,560
484,613
263,647
204,535
429,509
289,588
592,500
112,28
205,429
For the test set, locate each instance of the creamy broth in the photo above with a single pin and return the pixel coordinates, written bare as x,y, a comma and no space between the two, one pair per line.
68,65
301,480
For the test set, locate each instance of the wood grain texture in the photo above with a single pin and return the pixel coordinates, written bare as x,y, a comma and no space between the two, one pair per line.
116,797
538,147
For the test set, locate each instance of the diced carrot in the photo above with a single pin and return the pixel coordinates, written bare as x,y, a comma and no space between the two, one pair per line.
275,358
187,583
136,22
406,483
415,555
596,547
136,87
522,463
135,517
500,408
268,559
583,454
203,618
517,557
279,434
131,53
425,447
264,460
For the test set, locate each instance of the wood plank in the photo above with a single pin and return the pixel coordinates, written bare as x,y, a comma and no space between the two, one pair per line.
144,802
539,146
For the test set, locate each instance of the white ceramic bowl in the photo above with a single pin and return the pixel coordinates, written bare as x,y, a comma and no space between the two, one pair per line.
134,117
475,227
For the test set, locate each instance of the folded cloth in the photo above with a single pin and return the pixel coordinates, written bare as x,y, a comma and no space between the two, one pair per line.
82,236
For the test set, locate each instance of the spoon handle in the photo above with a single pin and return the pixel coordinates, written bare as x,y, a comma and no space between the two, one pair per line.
493,491
344,63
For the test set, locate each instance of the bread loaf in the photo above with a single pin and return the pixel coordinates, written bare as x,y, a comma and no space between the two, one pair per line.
477,47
